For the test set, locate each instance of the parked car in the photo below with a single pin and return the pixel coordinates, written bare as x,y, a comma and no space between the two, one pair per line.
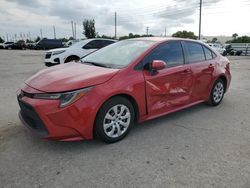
232,51
47,44
126,82
30,45
19,45
71,42
75,52
5,45
219,48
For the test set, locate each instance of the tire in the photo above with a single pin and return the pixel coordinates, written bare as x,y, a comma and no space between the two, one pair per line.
111,126
217,93
72,58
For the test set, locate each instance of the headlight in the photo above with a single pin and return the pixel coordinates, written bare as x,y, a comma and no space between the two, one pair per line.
58,52
66,98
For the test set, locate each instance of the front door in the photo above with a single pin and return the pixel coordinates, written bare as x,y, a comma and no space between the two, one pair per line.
170,88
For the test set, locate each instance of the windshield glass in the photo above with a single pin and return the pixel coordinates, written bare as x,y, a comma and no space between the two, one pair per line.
79,44
118,55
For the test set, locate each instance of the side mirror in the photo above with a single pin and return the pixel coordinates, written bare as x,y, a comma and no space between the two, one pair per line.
158,65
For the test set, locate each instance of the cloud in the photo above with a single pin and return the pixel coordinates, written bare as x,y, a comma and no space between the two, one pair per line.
132,15
28,3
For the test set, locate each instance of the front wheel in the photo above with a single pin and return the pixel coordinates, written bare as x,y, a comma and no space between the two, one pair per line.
73,58
114,119
217,93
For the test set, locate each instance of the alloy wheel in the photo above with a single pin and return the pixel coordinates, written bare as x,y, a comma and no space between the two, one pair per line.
218,92
116,121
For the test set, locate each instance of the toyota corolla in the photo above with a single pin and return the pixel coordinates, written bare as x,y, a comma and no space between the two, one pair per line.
130,81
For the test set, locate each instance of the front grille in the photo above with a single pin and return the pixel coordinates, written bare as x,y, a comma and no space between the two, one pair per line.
31,119
48,55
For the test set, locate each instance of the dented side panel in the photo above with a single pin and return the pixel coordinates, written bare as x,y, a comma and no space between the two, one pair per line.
170,88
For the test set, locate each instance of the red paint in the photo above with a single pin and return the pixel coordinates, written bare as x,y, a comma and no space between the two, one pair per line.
168,90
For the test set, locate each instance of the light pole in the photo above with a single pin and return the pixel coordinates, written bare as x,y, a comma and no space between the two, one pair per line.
200,20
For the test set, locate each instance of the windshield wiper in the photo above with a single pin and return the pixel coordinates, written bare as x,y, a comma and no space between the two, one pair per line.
96,64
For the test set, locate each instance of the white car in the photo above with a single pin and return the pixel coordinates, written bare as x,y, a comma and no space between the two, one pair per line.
218,47
5,45
76,51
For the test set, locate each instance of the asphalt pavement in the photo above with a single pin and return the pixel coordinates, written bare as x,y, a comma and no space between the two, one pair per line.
200,146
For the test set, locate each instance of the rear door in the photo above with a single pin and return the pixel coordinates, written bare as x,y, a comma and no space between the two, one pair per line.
202,62
169,88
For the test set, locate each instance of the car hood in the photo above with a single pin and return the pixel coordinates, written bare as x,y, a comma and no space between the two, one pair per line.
70,76
57,49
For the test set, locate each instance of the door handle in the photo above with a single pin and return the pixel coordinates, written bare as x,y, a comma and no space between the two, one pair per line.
211,66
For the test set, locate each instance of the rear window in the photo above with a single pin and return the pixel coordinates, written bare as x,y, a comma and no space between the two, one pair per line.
194,52
208,53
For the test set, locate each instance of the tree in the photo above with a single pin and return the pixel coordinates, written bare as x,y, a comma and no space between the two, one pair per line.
214,40
28,41
64,39
89,28
243,39
185,34
131,35
234,36
105,37
1,40
37,39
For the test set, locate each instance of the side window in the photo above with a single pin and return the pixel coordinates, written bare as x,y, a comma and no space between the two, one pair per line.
94,44
208,53
106,43
170,52
194,52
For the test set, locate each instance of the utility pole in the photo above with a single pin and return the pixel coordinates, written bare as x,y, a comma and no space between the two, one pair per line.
115,26
147,28
29,36
41,32
73,33
75,30
54,29
200,20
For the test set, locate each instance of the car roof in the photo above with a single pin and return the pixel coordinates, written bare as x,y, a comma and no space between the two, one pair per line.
100,39
163,39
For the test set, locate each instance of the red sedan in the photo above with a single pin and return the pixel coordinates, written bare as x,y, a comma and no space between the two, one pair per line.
129,81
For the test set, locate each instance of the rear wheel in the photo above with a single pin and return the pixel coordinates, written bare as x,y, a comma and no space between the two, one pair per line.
114,119
217,93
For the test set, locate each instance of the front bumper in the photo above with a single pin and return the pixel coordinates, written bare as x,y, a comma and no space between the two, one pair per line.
49,64
30,118
51,60
49,121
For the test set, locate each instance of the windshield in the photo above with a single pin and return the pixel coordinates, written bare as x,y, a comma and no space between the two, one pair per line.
118,55
79,44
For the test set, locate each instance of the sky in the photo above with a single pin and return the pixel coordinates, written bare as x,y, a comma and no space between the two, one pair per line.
29,17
